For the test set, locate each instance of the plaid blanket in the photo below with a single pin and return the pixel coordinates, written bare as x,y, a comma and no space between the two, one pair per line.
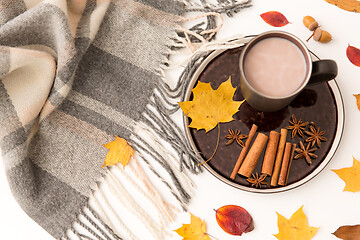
73,75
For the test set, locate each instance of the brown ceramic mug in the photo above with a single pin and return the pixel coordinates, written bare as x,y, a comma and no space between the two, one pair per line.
268,92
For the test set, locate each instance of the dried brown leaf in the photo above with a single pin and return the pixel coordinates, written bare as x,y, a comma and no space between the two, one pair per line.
348,232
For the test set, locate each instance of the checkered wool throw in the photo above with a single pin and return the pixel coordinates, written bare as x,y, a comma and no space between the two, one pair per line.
76,73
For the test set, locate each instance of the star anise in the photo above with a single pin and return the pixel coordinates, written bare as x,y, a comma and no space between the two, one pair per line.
235,136
256,180
315,136
305,153
297,126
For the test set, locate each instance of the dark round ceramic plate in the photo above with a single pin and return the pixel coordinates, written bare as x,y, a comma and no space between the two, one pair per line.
321,104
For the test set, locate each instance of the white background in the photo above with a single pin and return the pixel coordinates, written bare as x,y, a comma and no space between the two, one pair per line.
325,203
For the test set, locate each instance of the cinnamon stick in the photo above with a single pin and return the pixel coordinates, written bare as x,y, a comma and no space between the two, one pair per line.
270,153
279,156
244,151
285,164
293,146
252,157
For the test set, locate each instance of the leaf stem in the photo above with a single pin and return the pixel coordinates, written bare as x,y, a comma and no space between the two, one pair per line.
217,144
212,236
310,36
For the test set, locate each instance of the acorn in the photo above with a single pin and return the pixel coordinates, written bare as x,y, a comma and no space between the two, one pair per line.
322,36
310,23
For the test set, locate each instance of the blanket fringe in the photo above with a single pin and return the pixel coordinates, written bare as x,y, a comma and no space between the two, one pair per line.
181,192
103,218
201,33
118,190
109,212
222,6
89,225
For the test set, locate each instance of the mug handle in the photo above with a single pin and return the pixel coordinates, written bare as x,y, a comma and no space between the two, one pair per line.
323,71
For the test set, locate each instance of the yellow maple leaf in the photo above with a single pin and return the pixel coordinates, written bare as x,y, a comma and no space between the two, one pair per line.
296,228
351,176
357,96
210,107
196,230
120,151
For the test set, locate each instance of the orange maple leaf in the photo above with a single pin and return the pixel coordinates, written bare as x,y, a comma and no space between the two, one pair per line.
295,228
351,176
120,151
357,96
196,230
348,5
211,107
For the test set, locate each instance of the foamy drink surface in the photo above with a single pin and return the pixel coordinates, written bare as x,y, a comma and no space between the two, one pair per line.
275,67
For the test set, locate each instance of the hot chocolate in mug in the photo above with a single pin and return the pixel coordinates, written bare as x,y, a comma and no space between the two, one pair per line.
275,67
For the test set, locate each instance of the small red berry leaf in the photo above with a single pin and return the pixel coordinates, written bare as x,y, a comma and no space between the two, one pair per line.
234,220
353,55
274,18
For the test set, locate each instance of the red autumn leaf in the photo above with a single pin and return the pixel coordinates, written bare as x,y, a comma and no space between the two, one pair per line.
353,55
234,220
274,18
